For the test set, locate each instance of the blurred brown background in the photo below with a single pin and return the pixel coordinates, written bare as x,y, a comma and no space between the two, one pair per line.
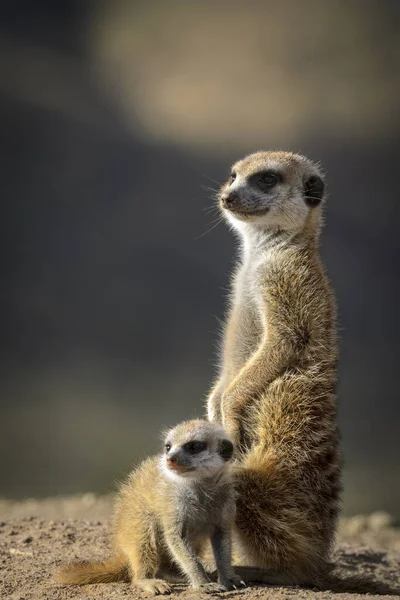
116,116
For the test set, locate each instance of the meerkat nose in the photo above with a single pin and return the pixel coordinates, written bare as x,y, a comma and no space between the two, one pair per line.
229,200
171,460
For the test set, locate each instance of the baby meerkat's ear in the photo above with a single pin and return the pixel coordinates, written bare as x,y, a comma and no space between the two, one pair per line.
226,449
313,190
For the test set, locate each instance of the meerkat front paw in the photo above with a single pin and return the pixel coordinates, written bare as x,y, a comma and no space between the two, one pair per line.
232,427
234,582
153,587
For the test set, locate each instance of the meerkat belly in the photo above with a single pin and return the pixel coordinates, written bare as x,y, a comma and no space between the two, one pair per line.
198,529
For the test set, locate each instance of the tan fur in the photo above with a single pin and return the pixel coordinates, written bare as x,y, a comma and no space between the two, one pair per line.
164,518
276,392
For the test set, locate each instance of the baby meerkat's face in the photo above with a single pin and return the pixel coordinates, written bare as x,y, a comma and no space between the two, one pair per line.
196,449
275,190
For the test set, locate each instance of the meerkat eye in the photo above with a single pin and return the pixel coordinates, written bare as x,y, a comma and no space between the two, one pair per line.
195,447
232,177
167,447
268,179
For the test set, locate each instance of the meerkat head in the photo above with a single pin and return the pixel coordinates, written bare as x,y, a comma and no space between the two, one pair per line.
272,190
196,449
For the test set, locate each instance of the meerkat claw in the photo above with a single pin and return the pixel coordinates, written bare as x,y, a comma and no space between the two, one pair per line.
212,588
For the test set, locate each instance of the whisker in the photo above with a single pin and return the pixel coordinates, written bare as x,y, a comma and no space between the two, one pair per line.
213,180
209,189
214,225
210,209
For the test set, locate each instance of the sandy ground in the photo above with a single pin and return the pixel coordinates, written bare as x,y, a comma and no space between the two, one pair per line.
36,536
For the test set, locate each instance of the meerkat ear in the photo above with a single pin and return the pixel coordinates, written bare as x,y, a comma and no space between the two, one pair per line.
313,190
226,449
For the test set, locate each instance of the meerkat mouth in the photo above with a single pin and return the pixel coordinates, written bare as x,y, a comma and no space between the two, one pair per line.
180,468
238,212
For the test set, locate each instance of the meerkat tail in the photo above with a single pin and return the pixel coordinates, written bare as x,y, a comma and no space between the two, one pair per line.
111,570
277,536
337,581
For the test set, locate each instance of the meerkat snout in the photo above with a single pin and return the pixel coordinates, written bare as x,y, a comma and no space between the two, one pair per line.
230,200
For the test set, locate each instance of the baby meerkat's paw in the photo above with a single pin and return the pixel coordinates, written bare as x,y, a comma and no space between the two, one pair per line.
232,583
211,588
153,586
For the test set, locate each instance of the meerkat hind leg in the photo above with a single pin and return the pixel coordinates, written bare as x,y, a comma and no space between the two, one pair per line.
144,563
153,586
144,579
144,575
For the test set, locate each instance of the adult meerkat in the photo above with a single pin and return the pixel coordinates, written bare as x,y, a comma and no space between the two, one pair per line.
165,513
276,391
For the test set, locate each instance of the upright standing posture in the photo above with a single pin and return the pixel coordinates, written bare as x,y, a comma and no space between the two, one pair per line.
165,513
276,390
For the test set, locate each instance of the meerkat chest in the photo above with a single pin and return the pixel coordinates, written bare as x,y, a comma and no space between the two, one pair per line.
249,311
247,279
202,509
244,283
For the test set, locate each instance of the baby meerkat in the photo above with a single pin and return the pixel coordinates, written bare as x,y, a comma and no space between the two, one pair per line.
166,512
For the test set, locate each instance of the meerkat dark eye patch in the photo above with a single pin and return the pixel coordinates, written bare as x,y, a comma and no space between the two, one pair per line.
226,449
232,177
167,447
265,180
313,190
194,447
